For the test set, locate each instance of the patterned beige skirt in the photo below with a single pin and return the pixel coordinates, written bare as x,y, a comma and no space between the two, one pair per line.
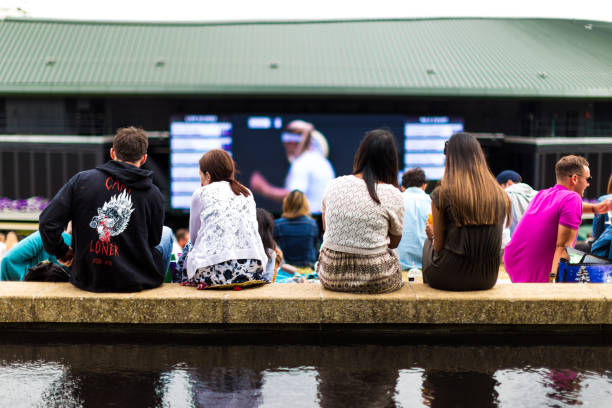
345,272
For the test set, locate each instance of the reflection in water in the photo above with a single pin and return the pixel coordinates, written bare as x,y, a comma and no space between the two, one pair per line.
295,387
565,386
459,389
37,383
227,387
354,387
174,389
364,375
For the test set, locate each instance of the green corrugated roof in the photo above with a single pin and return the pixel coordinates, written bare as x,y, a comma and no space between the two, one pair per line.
447,57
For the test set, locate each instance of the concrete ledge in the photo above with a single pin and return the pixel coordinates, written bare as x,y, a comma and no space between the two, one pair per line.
505,304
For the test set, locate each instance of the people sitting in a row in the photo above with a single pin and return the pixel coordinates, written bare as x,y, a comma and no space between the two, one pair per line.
120,243
550,224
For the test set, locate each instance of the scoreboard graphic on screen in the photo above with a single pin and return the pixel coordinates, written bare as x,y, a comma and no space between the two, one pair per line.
424,143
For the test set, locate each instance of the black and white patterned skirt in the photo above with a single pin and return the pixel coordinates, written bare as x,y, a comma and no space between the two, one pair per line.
235,272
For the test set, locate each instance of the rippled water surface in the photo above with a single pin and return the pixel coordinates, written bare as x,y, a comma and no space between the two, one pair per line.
361,375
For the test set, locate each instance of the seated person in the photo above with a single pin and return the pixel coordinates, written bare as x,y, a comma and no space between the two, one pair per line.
120,243
550,224
520,195
601,221
417,206
469,209
181,238
362,217
602,247
227,250
265,222
295,232
27,253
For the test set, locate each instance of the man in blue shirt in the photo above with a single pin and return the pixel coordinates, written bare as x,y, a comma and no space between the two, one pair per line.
417,207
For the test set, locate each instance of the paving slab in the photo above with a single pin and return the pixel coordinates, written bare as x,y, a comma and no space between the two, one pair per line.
394,307
292,303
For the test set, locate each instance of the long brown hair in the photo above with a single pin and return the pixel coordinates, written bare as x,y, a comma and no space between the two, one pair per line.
220,165
474,195
376,160
610,185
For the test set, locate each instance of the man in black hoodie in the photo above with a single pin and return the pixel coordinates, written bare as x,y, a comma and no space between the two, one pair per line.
117,217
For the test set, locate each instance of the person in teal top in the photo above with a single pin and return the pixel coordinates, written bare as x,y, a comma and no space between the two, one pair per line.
27,253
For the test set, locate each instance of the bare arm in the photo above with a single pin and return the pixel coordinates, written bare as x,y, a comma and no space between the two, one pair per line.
439,229
394,241
598,208
565,237
323,220
261,186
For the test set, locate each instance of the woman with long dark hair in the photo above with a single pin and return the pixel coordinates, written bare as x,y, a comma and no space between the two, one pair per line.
362,217
469,209
227,249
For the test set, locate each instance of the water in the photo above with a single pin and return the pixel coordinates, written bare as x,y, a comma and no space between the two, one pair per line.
125,374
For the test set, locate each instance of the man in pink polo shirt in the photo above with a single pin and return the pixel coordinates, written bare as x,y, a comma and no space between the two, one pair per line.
550,224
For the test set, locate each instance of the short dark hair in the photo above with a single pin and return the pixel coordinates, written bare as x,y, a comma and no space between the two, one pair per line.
414,178
130,143
376,160
570,165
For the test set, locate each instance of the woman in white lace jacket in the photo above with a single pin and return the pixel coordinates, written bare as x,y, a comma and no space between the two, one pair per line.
227,249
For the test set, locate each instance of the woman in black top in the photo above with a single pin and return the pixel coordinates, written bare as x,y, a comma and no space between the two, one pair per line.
469,209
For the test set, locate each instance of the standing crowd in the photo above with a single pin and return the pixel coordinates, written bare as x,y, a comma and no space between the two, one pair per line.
373,228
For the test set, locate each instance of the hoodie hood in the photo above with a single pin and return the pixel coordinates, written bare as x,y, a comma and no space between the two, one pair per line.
523,190
134,177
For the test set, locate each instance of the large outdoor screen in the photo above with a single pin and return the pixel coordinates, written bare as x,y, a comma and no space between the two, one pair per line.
256,143
424,143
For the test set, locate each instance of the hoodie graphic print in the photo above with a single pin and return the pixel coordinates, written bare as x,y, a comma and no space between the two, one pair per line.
113,217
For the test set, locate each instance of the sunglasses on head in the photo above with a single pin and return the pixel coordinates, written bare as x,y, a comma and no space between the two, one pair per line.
445,147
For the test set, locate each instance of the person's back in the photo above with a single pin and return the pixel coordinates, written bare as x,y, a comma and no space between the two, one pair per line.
297,237
521,195
529,255
117,216
417,206
363,216
295,232
469,209
227,249
25,254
